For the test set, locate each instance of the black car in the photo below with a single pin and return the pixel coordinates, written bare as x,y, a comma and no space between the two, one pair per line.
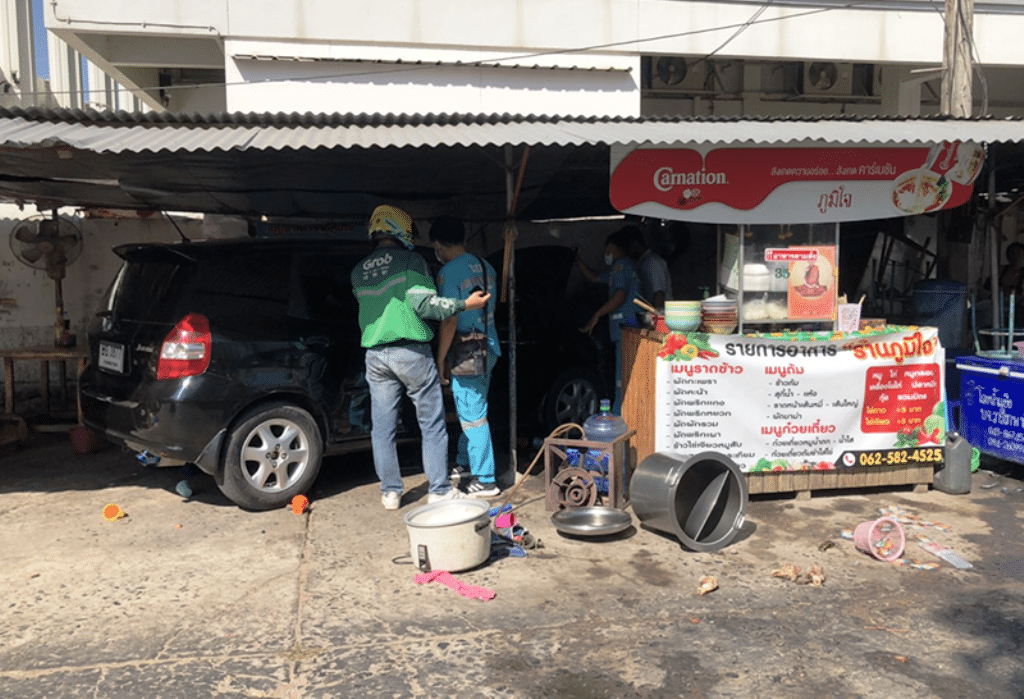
562,373
243,358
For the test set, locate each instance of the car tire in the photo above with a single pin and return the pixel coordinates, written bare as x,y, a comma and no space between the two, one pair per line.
573,397
272,454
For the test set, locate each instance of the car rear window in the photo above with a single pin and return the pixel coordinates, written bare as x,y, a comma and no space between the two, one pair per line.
150,285
244,285
160,284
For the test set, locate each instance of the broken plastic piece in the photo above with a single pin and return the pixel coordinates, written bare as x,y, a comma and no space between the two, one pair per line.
183,489
113,512
299,504
946,554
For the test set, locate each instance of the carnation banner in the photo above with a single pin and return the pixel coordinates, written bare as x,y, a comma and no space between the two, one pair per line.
821,401
792,185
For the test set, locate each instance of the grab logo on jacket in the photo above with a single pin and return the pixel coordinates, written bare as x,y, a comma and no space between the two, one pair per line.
377,262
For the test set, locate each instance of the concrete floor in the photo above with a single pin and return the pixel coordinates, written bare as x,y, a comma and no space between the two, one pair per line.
197,598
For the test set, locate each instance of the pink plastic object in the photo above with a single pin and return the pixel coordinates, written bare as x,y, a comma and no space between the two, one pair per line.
1020,348
505,521
882,538
446,579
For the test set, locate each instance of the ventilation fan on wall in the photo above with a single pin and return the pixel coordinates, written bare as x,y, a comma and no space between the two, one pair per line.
674,73
827,78
49,244
670,71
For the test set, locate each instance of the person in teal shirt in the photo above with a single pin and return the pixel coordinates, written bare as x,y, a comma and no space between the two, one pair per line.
623,287
461,274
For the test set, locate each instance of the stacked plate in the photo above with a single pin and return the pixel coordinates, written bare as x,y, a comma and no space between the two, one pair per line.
683,316
719,315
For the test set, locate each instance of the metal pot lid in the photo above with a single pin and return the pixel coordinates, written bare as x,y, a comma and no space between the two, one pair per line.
591,521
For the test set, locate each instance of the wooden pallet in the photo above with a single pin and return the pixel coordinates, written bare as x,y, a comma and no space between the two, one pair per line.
804,482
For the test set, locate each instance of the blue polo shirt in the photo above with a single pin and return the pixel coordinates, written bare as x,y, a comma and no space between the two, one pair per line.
456,280
623,276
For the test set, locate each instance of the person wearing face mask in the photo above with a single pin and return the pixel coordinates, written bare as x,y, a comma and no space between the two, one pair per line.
461,274
623,287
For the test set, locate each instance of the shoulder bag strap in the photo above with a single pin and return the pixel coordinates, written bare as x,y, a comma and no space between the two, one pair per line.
483,270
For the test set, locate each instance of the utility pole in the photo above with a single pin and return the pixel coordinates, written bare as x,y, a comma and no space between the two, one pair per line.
956,100
956,59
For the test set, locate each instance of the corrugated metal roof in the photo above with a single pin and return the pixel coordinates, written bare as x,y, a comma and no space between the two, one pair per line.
153,132
342,165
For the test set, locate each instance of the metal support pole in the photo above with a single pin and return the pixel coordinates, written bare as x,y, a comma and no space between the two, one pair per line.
510,260
993,239
58,287
513,187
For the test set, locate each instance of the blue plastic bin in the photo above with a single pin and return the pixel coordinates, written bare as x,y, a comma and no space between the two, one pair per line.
992,406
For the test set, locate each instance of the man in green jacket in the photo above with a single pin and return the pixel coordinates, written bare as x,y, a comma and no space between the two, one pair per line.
396,294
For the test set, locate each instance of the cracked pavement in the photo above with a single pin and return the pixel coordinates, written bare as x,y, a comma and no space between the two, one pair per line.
187,598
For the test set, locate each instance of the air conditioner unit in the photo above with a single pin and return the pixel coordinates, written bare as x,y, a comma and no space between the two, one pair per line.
678,74
867,80
781,78
828,78
725,75
876,81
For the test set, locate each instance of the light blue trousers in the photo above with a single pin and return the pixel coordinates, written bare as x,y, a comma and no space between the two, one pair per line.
476,449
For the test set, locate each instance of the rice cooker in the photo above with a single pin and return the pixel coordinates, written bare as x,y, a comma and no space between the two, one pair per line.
450,535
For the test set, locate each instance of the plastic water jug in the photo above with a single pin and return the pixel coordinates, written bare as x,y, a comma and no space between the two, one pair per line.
955,475
603,426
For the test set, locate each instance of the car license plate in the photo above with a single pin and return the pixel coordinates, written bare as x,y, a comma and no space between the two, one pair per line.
112,357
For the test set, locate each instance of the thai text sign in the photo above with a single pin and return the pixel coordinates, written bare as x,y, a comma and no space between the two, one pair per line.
792,185
992,405
778,405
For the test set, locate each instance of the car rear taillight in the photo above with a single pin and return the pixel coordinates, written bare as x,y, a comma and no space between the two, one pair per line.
186,349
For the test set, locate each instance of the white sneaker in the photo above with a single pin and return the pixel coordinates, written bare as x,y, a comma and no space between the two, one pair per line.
476,489
391,500
452,494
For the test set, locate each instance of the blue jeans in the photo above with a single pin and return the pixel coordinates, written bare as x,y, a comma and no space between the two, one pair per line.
476,450
389,372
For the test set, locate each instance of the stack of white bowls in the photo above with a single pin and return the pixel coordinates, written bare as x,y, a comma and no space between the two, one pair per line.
683,316
719,315
756,278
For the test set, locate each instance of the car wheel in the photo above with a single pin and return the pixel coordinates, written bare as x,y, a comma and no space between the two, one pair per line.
573,397
272,454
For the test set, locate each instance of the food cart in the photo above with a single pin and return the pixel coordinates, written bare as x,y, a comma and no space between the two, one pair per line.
795,402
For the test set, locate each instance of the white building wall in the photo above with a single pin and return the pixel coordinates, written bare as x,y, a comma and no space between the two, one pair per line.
556,34
17,55
526,26
27,300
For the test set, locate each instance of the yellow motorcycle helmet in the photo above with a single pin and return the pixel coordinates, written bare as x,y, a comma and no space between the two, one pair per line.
390,220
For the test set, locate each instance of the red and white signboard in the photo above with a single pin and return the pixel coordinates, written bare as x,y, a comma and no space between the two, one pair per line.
824,404
792,185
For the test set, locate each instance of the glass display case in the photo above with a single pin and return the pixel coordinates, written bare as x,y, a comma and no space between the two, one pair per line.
783,277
